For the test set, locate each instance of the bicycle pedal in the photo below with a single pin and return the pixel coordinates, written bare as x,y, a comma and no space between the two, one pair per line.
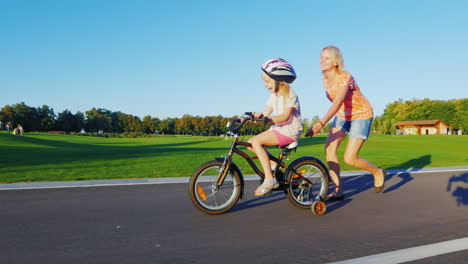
281,187
279,176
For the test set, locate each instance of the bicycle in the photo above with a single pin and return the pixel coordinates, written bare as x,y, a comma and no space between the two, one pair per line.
217,185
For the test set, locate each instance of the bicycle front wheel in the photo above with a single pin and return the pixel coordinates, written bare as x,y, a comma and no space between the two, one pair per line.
209,197
303,193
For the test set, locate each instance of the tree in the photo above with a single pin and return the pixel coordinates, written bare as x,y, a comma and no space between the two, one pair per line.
27,116
149,125
65,121
118,122
68,122
185,125
459,119
167,126
133,124
46,117
79,122
6,114
98,120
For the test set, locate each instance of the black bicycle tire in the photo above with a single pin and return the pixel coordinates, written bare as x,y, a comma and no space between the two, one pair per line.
325,177
192,186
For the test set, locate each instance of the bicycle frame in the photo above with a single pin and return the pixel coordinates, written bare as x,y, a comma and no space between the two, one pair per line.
228,162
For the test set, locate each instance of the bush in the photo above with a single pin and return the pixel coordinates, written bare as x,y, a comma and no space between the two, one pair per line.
58,132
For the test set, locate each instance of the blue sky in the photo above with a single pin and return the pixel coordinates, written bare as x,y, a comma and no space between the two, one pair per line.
170,58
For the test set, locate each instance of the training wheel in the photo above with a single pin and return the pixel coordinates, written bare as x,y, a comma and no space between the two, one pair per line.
318,207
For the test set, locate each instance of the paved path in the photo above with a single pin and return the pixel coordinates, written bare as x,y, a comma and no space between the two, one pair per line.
420,213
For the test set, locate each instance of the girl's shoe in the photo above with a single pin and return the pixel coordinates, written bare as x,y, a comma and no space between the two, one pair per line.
266,187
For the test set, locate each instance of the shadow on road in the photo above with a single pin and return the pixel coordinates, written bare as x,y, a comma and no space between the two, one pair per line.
278,196
460,193
354,185
412,165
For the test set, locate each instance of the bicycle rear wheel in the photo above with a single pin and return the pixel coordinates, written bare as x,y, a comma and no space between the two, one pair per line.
302,193
209,197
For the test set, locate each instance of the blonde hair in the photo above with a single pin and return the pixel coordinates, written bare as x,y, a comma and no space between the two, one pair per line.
284,89
336,57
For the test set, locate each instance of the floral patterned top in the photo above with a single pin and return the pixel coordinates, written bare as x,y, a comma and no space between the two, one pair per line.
355,106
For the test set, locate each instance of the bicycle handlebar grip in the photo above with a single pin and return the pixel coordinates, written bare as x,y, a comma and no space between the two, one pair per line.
236,123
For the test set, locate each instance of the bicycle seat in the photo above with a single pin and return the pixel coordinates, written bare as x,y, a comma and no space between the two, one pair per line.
290,146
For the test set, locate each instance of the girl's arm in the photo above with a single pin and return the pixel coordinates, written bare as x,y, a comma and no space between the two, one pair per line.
282,117
268,110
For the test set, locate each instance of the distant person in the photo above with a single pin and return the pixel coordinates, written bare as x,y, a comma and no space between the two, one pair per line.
277,75
20,129
8,127
353,116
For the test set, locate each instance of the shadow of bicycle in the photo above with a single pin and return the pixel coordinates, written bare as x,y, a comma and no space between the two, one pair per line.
354,185
259,201
460,193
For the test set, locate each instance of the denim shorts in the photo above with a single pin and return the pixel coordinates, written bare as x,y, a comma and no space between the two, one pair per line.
354,128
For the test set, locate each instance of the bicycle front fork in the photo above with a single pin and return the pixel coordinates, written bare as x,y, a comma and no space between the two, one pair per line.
223,170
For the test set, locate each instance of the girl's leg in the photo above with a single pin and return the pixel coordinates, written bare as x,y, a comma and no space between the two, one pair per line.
351,157
335,137
267,138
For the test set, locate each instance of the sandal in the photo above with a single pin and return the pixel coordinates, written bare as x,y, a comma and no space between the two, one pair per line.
266,187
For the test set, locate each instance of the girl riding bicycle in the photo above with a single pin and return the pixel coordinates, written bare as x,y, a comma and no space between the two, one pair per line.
277,75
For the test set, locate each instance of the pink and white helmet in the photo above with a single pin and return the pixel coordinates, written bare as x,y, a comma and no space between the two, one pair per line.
279,70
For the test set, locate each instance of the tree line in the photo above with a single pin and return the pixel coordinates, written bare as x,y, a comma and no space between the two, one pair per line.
453,112
98,120
43,119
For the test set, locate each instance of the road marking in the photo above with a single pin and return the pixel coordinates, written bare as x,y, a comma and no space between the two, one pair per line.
104,183
411,254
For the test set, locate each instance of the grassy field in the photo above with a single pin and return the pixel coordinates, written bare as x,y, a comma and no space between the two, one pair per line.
51,157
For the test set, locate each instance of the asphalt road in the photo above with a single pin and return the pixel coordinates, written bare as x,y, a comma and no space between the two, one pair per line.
157,223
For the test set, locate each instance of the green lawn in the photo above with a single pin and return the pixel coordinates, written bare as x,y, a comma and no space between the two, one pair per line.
51,157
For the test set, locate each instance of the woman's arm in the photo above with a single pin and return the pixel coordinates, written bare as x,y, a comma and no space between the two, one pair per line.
339,99
337,102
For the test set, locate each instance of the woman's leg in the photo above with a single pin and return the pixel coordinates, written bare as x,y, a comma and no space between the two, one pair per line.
351,157
267,138
335,136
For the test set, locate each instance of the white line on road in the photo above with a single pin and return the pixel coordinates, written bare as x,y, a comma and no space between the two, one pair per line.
411,254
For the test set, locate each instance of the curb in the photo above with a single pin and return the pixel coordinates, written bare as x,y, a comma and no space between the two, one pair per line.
99,183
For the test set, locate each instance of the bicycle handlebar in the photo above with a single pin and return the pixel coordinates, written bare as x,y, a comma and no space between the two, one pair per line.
237,123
